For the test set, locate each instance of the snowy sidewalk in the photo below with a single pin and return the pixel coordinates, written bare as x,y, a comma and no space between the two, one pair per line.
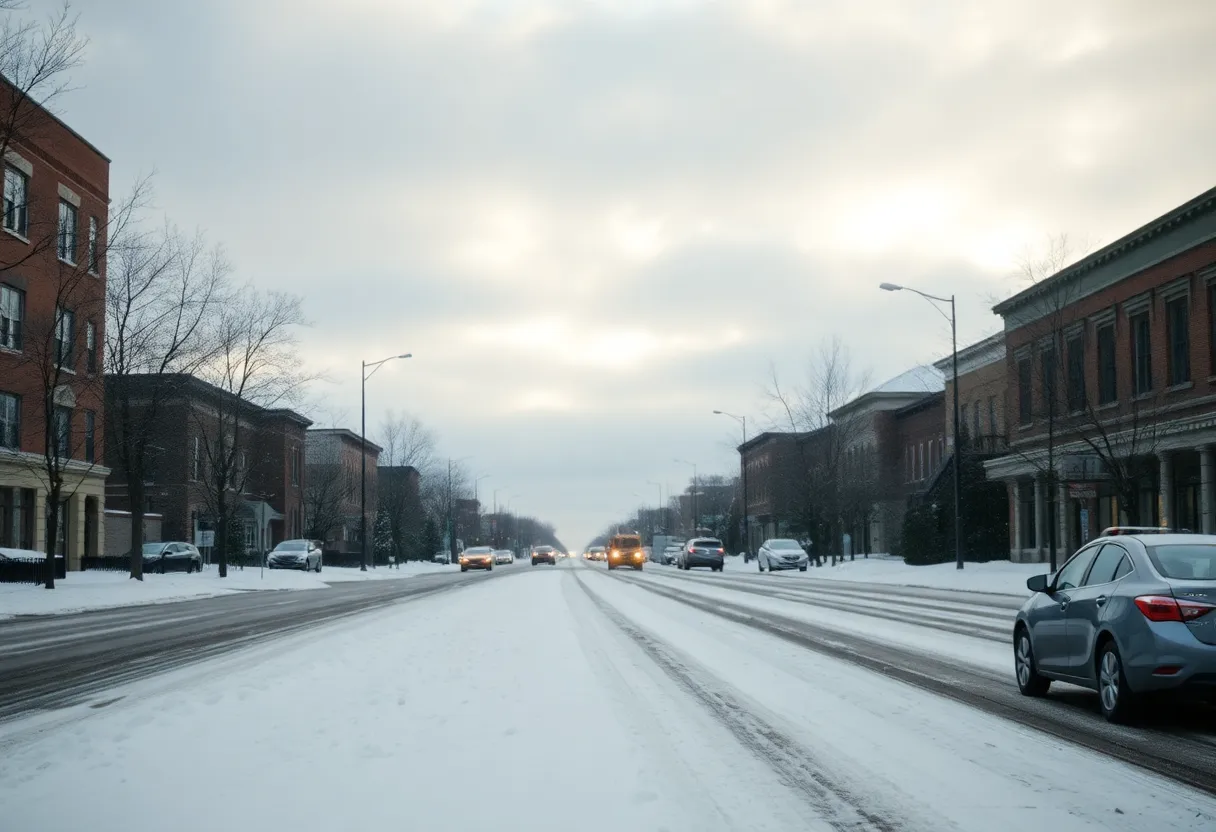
93,590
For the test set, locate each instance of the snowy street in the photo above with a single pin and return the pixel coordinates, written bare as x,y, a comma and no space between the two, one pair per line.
570,698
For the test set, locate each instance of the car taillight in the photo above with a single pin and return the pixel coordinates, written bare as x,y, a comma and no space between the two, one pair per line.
721,551
1168,608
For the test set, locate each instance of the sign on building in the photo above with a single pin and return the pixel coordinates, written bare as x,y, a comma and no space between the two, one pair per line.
1082,491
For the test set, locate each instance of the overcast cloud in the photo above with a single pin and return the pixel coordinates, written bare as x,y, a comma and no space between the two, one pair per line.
595,222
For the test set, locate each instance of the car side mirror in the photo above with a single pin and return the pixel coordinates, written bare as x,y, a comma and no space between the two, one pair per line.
1038,583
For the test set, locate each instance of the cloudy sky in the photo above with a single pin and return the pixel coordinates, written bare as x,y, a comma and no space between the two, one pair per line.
593,223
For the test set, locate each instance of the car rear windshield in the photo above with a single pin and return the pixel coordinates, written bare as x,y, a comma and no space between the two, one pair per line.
291,546
707,543
784,544
1185,561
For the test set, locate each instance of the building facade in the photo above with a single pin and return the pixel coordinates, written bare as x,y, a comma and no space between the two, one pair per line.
266,485
335,459
1111,393
776,473
52,318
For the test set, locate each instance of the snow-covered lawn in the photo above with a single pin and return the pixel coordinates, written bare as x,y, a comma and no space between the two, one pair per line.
92,590
519,705
999,576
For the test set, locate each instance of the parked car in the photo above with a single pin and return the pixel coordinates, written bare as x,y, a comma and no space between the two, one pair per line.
1129,614
296,554
441,557
782,553
477,557
503,556
172,556
544,554
672,554
703,551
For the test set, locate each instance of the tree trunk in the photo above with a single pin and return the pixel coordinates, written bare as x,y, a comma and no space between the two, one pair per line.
52,535
135,493
221,534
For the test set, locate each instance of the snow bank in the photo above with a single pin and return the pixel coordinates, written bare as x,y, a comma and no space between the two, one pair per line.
92,590
999,576
409,569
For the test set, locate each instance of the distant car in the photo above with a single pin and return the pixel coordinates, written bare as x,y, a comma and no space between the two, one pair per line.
503,556
598,553
441,557
1131,613
544,554
672,554
703,551
626,550
477,557
296,554
171,556
782,553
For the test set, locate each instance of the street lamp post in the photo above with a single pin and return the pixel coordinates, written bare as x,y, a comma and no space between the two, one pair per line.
659,508
477,501
494,517
958,445
695,524
747,542
364,375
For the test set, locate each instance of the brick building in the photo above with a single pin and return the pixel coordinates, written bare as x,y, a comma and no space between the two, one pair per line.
1112,368
776,470
52,314
269,444
912,443
334,459
982,382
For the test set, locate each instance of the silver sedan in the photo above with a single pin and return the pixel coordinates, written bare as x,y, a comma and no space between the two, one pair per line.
781,553
1127,615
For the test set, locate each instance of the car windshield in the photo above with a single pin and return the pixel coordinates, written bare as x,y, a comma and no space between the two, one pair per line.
292,546
479,550
1185,561
784,544
544,550
153,548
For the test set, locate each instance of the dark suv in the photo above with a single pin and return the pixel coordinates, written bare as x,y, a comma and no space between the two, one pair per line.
544,554
703,551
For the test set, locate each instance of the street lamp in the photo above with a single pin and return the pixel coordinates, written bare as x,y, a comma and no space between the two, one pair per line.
747,540
660,513
958,445
477,502
695,525
494,516
364,375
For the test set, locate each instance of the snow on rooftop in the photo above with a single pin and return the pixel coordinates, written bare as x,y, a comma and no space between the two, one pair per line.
923,379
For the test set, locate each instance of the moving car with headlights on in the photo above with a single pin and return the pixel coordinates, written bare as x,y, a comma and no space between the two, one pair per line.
626,550
477,557
597,553
782,553
171,556
1133,612
703,551
295,554
544,554
502,556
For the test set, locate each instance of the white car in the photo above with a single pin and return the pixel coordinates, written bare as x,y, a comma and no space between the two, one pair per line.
296,554
782,553
503,556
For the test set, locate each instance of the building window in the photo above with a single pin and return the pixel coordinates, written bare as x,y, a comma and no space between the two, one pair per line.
1076,374
65,332
1048,389
993,430
1025,378
12,312
16,200
196,461
92,245
67,232
962,420
1212,325
908,465
921,460
63,431
1142,355
295,465
10,421
1178,323
90,347
975,420
1108,390
90,426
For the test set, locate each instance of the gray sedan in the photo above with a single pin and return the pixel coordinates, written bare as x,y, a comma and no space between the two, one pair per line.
1127,615
781,553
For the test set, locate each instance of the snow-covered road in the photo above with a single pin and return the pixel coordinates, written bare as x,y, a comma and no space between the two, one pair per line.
558,699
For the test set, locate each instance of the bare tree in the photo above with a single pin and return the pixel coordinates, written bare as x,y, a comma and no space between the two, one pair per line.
328,488
162,288
256,365
406,443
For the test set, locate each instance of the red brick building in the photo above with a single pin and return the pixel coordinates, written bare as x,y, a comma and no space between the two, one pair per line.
269,444
335,453
1111,395
52,315
776,470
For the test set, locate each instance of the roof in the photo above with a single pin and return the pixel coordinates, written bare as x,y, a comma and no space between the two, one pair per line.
974,356
769,436
342,433
187,382
920,404
923,379
1204,204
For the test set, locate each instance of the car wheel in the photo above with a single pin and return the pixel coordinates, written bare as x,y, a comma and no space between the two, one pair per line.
760,564
464,569
1117,700
318,567
638,567
1030,682
801,568
489,568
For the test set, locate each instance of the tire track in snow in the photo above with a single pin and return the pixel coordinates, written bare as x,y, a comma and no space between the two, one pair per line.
799,768
1183,756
